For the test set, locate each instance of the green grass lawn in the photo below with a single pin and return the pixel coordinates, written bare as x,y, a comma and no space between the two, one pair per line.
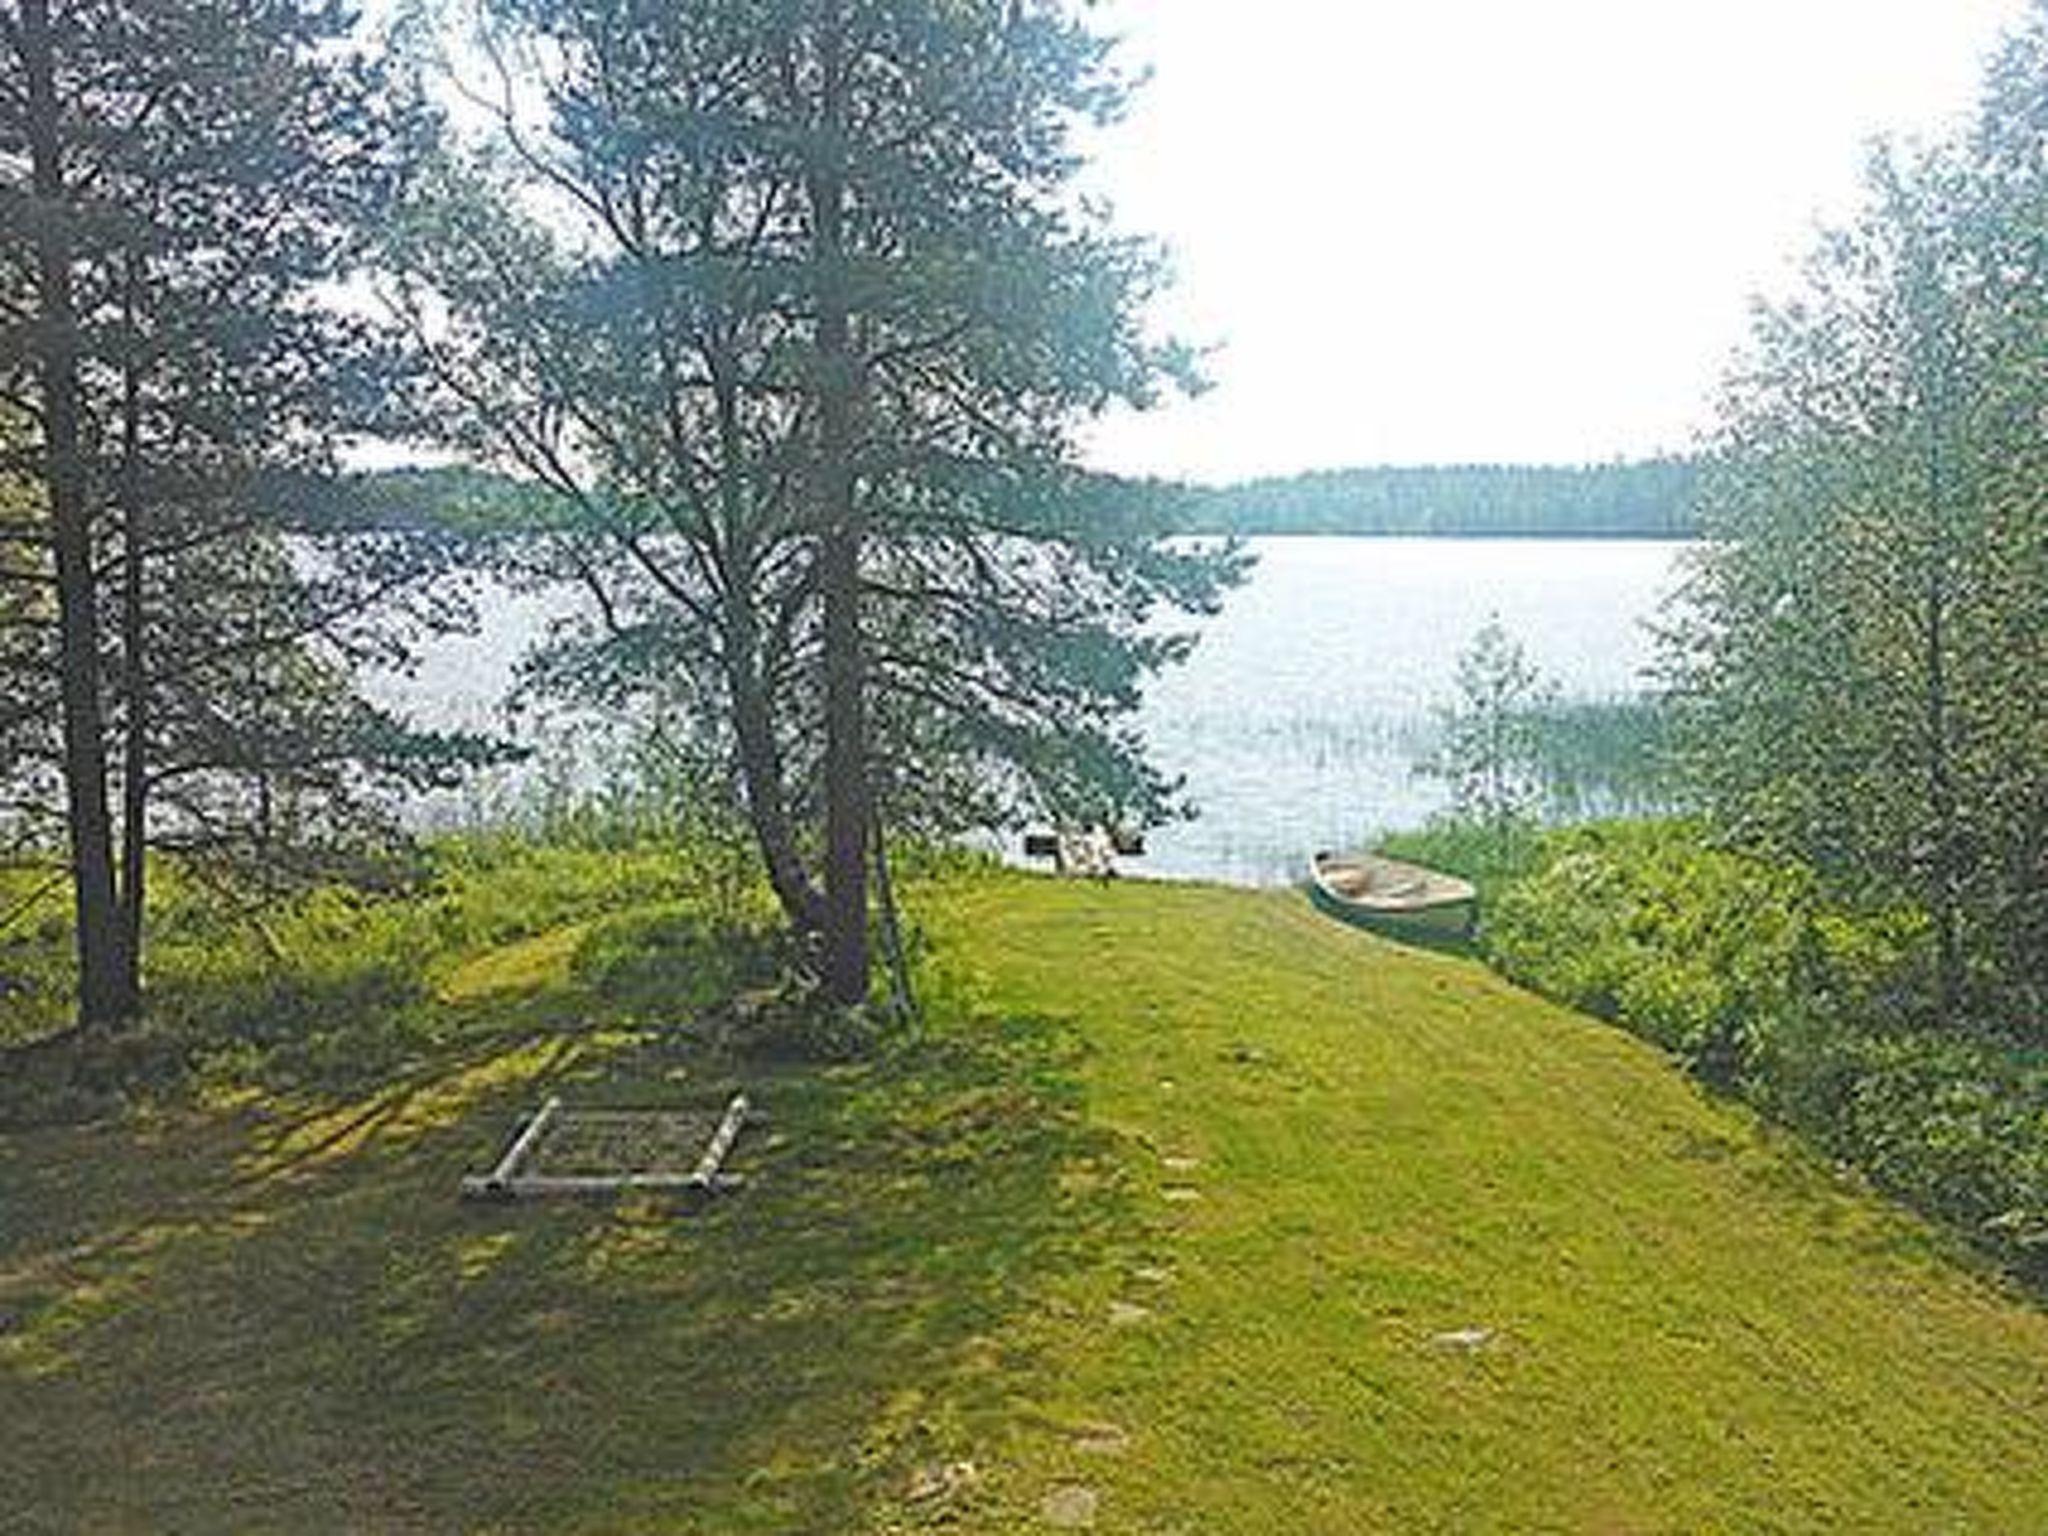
1192,1211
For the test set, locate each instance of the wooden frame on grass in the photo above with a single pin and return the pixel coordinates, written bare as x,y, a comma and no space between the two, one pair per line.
517,1177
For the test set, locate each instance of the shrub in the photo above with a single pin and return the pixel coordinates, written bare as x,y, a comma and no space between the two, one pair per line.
1697,948
1955,1126
1743,970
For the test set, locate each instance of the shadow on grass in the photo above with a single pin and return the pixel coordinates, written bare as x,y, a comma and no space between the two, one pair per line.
289,1319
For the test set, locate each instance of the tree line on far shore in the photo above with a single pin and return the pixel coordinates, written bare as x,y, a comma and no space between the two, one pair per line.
1640,498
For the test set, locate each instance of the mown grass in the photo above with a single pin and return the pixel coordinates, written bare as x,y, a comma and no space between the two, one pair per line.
1177,1208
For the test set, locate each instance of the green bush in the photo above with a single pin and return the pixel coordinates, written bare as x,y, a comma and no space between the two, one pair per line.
1697,948
1742,969
1955,1126
494,888
327,993
35,955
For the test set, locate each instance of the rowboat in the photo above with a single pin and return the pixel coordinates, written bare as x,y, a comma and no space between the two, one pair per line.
1397,899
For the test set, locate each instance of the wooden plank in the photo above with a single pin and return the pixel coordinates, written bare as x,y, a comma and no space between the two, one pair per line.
495,1182
721,1140
602,1183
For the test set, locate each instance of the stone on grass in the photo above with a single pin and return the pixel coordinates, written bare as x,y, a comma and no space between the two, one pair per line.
935,1482
1465,1338
1071,1508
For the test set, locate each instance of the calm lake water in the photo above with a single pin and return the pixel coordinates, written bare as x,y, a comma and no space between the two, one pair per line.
1299,719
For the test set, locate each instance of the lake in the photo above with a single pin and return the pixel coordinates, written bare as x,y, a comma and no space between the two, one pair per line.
1300,716
1307,702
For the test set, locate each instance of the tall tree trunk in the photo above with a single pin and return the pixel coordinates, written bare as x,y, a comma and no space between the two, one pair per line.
103,995
847,812
134,662
761,763
761,779
846,767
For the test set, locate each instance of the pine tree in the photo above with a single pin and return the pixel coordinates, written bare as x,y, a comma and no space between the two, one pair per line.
806,376
181,184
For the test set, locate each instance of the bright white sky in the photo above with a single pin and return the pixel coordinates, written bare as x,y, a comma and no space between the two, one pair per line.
1465,230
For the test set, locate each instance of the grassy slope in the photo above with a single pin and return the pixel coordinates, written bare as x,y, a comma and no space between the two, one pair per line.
983,1251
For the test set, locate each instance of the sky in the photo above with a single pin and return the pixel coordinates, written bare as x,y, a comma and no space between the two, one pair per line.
1429,231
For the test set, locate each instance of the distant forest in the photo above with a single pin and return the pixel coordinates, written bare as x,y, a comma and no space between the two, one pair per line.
1649,498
